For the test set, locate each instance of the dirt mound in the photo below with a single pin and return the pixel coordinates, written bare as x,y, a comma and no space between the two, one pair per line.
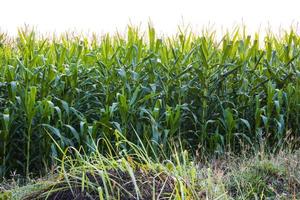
119,184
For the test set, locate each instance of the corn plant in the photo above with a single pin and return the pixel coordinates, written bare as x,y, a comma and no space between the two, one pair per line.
210,95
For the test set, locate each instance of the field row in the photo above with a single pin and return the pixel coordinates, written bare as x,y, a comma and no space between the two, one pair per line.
205,95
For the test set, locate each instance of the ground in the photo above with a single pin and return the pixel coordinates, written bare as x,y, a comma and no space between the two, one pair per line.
268,177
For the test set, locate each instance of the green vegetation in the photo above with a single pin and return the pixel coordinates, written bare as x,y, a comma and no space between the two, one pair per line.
86,104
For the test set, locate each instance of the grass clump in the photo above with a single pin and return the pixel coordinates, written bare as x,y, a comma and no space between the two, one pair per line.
134,176
267,178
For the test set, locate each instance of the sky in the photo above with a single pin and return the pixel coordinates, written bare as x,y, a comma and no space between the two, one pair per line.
102,16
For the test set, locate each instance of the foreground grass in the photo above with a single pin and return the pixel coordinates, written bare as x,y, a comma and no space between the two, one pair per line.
135,176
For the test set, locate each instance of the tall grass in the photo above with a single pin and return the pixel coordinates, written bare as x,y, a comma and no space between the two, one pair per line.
213,96
130,175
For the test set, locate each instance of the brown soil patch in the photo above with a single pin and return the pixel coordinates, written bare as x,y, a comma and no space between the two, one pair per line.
161,185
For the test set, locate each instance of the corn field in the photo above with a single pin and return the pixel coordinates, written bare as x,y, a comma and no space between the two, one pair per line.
212,96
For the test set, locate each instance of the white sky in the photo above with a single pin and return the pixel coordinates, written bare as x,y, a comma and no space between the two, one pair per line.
109,15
